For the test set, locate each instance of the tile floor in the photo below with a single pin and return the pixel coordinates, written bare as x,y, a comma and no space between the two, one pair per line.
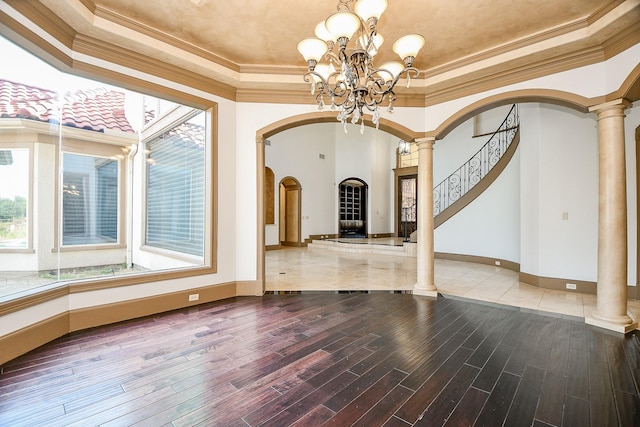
320,269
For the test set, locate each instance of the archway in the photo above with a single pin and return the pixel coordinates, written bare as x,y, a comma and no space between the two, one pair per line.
290,212
566,99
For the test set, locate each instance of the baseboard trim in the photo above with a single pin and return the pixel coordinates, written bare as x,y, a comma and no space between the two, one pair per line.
125,310
558,284
552,283
294,244
272,247
33,336
249,288
503,263
30,337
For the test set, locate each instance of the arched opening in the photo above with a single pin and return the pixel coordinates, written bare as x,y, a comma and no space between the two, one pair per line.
561,98
290,212
353,208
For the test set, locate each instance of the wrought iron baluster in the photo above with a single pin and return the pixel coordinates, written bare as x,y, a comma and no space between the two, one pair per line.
478,166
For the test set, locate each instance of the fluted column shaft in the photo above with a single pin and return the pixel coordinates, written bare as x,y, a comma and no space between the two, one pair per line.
611,297
425,267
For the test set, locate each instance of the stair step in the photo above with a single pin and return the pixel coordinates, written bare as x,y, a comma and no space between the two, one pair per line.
407,249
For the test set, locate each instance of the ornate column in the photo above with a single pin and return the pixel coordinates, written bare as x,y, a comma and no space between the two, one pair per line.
425,271
611,311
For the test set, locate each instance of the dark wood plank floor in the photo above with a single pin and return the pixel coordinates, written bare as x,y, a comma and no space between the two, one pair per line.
330,359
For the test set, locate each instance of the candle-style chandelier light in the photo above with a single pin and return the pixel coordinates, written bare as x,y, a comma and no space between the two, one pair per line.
348,77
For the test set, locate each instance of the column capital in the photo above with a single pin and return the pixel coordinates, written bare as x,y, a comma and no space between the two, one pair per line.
426,142
617,104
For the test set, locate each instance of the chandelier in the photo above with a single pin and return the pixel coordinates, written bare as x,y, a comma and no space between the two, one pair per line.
348,77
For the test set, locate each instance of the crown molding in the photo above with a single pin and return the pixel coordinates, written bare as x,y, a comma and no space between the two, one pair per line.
117,55
42,17
302,96
89,5
434,86
146,30
622,41
494,77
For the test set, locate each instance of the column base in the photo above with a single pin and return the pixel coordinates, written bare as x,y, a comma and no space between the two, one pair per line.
425,292
621,324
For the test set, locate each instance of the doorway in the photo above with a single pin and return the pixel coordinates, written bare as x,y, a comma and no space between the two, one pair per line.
290,209
407,205
353,208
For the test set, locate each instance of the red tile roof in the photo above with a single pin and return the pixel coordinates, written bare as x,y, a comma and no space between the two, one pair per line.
95,110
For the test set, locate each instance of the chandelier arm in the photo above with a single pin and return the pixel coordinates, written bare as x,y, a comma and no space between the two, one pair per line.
340,90
410,71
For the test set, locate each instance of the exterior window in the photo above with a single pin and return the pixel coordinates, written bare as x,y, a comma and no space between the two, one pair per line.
176,187
89,200
14,195
99,182
410,159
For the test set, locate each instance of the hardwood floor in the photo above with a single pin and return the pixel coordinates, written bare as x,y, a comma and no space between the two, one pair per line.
333,359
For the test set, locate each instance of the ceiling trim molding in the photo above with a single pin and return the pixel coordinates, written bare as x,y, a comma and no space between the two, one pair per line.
133,60
302,96
488,80
138,27
424,93
89,5
44,19
622,41
87,70
31,42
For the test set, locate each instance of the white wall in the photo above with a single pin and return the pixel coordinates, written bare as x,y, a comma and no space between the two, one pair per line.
296,153
490,225
520,217
568,179
559,162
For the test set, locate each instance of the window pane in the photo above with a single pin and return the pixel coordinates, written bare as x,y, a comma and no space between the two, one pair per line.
410,159
14,192
89,200
175,188
91,216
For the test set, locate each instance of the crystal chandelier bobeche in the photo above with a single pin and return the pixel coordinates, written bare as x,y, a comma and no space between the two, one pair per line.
349,77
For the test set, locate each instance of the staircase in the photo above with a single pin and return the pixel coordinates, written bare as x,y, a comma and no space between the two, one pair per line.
479,172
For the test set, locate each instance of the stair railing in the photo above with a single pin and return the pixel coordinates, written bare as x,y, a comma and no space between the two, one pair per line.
478,166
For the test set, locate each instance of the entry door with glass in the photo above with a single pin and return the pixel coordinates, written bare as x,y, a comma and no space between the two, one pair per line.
407,205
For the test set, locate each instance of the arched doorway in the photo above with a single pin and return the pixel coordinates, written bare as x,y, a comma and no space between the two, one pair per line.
290,212
353,208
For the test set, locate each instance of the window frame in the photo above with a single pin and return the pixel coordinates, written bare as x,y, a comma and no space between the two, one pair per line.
114,149
96,205
174,117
